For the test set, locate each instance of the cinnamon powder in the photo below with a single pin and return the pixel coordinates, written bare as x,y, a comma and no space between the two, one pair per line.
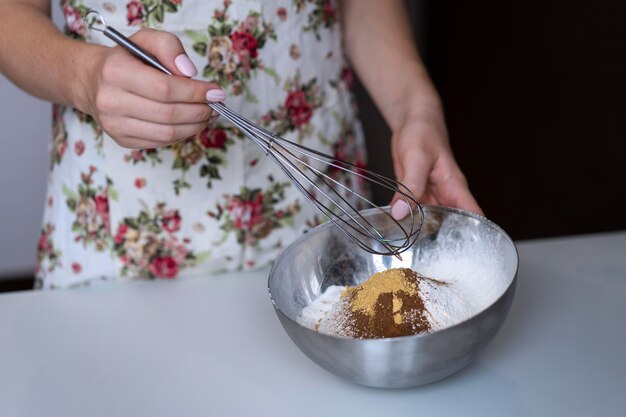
388,304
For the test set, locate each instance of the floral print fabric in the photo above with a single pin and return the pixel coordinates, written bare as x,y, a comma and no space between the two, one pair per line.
213,202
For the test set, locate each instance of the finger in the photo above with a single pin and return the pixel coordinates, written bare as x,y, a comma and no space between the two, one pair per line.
156,134
133,142
429,198
132,75
138,107
461,197
414,179
140,143
167,49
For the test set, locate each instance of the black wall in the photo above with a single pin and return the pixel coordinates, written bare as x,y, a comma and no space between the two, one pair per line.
534,96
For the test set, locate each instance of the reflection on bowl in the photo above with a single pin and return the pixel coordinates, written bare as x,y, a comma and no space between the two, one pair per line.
471,253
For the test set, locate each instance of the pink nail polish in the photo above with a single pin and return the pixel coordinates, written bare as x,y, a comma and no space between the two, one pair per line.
400,210
185,66
215,95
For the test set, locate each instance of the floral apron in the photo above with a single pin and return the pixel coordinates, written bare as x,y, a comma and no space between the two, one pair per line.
213,202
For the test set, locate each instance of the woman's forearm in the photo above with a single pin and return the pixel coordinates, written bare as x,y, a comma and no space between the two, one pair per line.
136,105
380,47
37,57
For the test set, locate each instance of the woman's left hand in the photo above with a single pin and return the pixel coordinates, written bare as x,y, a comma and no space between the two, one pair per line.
398,82
423,162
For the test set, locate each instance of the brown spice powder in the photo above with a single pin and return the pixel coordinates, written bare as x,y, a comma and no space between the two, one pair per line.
388,304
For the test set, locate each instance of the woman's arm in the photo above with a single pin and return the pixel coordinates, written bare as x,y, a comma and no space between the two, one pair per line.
380,46
137,105
35,55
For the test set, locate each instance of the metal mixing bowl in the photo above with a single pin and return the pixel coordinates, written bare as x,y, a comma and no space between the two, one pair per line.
325,256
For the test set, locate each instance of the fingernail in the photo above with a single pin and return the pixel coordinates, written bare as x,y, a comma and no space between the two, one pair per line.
400,209
215,95
184,65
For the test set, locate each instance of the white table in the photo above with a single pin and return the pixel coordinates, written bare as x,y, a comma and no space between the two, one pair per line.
214,347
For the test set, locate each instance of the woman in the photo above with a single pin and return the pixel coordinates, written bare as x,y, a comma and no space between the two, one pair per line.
145,182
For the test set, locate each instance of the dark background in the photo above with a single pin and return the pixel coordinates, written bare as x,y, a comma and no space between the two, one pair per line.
534,96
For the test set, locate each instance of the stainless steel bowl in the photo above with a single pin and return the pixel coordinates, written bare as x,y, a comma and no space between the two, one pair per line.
325,256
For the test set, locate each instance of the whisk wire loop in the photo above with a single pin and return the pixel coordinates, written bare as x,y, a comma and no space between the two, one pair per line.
316,175
285,157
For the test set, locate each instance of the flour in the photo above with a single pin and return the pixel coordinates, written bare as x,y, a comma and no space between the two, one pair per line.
312,315
471,270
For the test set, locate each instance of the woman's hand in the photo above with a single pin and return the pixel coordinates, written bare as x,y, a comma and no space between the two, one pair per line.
423,162
379,43
139,106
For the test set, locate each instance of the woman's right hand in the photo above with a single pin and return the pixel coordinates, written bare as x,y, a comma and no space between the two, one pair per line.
140,106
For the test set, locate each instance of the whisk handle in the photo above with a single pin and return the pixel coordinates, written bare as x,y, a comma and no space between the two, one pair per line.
145,56
134,49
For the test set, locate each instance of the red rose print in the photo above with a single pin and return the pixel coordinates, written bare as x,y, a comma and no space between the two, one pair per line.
79,147
57,112
134,13
61,148
346,76
164,267
244,42
43,245
178,251
121,232
298,108
76,268
102,205
50,201
171,221
136,155
246,214
213,138
282,13
340,153
46,250
73,20
329,12
361,167
140,182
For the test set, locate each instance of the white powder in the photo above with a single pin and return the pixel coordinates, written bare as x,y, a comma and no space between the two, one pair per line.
318,309
470,267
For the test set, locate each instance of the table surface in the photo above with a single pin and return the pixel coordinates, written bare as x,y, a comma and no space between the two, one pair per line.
200,347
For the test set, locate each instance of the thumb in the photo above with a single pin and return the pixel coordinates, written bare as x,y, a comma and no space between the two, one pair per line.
167,49
460,196
413,181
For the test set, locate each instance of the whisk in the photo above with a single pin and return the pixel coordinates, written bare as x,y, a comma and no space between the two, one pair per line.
330,196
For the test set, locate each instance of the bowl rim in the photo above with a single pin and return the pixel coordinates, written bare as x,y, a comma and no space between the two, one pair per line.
468,213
